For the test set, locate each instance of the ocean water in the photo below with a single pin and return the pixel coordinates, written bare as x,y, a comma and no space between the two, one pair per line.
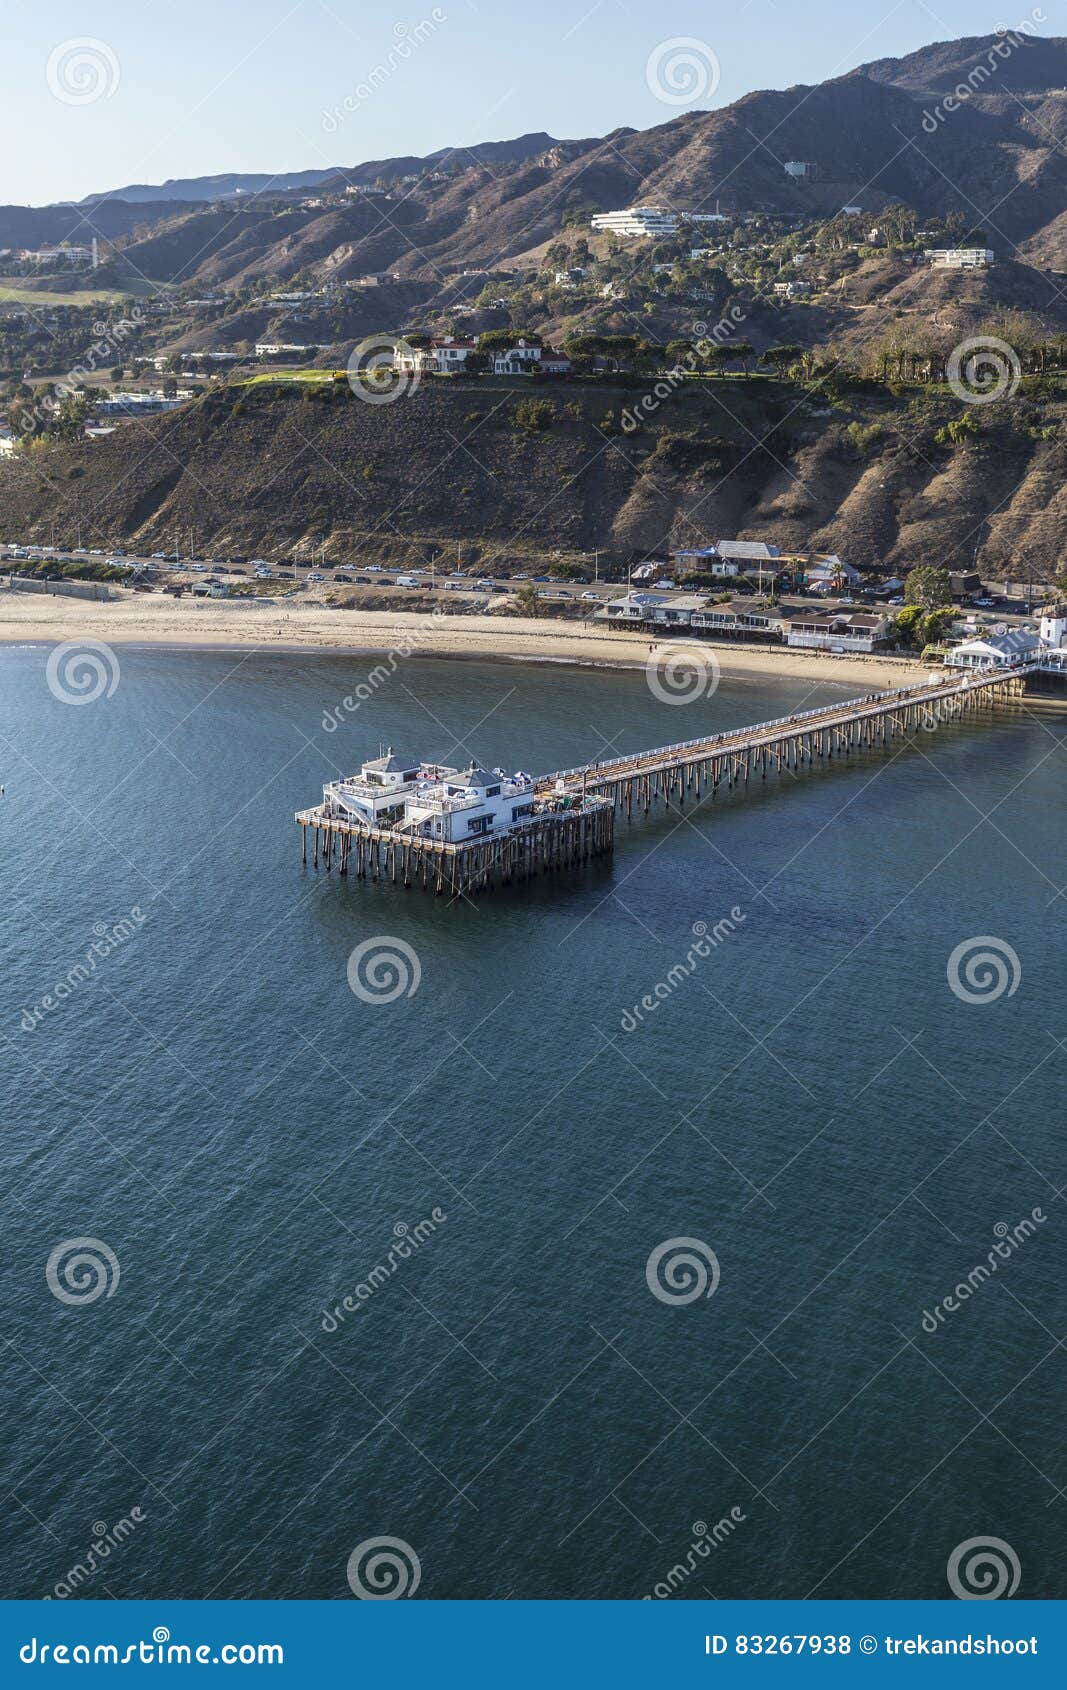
490,1165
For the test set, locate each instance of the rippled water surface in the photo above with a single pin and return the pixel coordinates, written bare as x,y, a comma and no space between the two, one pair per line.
811,1103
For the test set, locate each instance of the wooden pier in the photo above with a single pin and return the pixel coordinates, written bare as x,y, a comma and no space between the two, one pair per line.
789,743
575,809
558,839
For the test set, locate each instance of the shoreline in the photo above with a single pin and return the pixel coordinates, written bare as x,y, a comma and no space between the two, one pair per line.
158,624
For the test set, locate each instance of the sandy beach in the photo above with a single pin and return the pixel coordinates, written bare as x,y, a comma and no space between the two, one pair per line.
140,619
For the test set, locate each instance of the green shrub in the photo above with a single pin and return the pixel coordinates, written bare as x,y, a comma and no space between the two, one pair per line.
535,415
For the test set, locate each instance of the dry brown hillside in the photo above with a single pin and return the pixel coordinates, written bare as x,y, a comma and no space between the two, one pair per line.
269,471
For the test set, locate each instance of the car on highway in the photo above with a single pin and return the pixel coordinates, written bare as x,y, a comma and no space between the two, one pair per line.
316,576
595,596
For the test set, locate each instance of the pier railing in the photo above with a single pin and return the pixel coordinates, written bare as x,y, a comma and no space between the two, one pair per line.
937,686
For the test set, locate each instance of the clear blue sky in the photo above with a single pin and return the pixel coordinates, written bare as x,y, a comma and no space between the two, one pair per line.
212,85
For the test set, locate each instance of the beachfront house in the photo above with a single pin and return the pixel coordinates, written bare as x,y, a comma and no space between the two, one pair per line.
634,607
676,611
839,630
743,619
1011,646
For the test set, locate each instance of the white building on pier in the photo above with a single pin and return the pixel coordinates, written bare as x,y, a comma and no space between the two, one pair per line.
431,801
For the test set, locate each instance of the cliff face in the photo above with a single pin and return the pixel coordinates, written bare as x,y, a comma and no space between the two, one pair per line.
265,470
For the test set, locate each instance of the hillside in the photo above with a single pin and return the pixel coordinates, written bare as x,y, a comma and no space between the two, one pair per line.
998,161
267,470
1024,64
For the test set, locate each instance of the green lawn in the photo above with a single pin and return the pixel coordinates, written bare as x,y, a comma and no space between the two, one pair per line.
12,294
315,376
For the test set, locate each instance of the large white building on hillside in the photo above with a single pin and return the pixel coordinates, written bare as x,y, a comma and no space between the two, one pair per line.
959,257
651,220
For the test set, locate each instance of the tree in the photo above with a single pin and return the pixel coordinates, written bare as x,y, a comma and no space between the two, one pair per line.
927,588
680,352
780,358
937,624
497,340
907,625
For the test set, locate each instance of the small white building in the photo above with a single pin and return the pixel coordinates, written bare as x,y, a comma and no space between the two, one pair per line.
431,801
993,650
